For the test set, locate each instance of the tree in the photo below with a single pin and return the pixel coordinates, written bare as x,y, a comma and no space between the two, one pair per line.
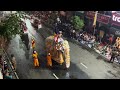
10,26
77,22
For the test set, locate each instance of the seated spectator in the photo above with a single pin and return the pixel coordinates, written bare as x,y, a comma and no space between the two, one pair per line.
92,40
86,38
7,75
100,47
108,50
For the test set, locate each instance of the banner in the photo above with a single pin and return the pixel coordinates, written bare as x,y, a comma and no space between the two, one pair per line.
95,18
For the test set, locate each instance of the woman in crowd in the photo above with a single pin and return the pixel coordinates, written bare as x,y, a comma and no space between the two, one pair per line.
114,54
118,58
13,61
108,52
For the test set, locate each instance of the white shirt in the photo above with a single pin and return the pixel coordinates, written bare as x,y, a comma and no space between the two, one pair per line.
32,20
1,75
58,19
60,40
39,26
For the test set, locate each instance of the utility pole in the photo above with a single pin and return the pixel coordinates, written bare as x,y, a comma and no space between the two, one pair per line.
94,22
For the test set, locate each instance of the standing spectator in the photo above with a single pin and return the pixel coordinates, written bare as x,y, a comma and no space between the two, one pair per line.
33,43
1,75
77,36
108,52
58,20
110,40
118,58
39,25
56,30
73,34
13,61
1,62
113,56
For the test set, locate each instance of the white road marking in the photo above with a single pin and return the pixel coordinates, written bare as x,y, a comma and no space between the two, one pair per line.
55,76
83,65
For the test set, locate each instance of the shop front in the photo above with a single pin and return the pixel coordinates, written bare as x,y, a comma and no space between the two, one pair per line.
114,31
102,24
115,25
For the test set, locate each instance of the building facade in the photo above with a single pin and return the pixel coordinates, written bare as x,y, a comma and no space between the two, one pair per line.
108,22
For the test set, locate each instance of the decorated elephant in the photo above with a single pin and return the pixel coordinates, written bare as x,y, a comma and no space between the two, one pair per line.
59,52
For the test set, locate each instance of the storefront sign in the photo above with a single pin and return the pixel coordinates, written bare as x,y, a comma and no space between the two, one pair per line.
115,19
100,17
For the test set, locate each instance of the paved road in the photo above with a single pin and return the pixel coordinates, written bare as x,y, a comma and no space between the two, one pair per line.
24,59
84,63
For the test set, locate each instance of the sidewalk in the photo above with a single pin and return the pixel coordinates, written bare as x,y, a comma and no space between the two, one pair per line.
7,59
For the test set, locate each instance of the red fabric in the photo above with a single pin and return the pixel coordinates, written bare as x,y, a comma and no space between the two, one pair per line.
33,42
56,38
111,39
101,44
25,30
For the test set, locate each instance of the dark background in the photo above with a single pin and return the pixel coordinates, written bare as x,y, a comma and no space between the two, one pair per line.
76,5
